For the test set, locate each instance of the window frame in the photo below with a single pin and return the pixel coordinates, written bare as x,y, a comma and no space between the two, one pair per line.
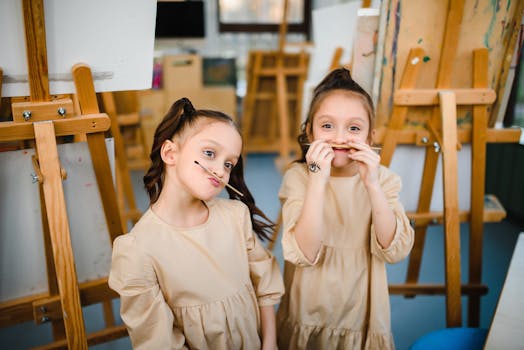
303,27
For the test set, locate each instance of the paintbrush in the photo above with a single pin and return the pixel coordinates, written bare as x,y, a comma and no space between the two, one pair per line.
334,145
219,179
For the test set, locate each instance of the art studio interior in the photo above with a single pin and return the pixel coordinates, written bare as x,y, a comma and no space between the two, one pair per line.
84,86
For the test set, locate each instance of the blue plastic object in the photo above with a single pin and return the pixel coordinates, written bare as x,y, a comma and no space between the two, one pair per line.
452,339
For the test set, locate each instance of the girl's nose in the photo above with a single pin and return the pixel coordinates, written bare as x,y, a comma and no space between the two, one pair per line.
218,171
341,136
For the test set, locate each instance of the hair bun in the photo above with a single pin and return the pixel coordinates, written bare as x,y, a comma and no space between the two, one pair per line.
189,110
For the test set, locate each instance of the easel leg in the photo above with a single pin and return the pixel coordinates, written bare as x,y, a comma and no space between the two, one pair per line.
109,316
88,103
60,235
97,147
478,161
52,285
124,180
399,114
424,202
448,109
254,66
282,106
398,118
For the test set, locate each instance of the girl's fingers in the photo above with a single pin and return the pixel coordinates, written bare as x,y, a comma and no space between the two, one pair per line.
317,151
326,153
365,157
319,157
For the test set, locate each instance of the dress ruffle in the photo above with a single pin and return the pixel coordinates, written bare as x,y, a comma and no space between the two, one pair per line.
203,324
308,337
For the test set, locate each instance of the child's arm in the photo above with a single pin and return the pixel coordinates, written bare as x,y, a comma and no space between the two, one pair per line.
147,316
308,230
383,216
403,236
269,328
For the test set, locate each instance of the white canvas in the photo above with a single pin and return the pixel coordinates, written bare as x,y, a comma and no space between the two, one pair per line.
332,26
115,38
22,258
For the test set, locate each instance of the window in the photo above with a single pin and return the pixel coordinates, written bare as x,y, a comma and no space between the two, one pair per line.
263,16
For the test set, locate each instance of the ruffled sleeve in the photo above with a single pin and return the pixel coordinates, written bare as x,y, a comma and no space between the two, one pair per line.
404,233
292,193
263,267
148,318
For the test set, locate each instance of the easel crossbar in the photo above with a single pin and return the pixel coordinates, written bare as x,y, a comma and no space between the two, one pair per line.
31,307
44,110
86,124
430,97
437,218
435,289
102,336
423,137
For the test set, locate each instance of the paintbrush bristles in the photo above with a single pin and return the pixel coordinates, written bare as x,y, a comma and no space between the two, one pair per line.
219,179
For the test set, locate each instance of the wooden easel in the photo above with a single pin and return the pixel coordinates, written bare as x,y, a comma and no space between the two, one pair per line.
268,98
442,136
125,193
42,119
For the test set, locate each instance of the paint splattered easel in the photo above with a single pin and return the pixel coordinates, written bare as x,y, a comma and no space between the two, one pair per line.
440,135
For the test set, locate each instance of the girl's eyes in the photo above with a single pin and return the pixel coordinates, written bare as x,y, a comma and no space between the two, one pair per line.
353,128
211,154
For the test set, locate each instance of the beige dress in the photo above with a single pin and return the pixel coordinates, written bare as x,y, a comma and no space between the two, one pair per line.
198,287
340,301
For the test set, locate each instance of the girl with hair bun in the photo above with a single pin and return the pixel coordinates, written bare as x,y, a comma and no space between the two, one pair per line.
342,222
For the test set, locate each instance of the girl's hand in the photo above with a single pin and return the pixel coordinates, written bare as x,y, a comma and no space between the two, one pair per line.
319,157
368,162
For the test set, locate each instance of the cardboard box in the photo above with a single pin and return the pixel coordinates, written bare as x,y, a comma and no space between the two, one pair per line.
152,108
182,72
220,98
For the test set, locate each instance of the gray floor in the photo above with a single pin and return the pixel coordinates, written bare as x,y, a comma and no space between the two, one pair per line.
411,318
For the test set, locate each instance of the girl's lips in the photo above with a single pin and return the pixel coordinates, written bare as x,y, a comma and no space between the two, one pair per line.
214,182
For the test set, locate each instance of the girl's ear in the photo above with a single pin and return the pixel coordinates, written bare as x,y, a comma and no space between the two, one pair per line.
169,151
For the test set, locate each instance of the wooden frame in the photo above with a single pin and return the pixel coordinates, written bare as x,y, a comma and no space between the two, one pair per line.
62,305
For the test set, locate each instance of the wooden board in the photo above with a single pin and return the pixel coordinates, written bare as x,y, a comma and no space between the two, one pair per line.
21,240
411,23
508,323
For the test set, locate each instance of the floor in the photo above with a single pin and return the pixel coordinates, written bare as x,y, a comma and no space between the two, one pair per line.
411,318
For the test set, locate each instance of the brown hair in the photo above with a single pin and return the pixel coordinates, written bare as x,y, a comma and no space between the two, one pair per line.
337,80
182,115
